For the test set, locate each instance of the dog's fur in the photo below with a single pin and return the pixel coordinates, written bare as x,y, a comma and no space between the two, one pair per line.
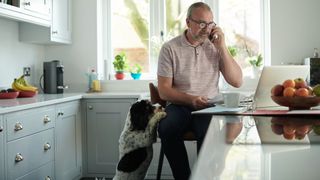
136,141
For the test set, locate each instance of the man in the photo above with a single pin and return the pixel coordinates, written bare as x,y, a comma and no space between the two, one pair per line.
188,74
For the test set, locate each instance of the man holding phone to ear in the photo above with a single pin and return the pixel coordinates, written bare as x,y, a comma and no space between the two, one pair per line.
188,73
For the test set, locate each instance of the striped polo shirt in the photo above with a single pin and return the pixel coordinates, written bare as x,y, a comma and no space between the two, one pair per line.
194,69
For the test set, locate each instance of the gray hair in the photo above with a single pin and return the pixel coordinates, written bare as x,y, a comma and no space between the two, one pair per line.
197,5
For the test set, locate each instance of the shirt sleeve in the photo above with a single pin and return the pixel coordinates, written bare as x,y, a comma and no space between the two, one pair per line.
165,61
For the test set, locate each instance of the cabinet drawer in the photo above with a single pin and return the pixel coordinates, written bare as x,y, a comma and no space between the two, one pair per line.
20,124
28,153
45,172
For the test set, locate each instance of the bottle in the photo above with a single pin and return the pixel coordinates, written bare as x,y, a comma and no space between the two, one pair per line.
91,77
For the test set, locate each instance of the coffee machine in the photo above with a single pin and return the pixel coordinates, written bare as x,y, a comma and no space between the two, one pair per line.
53,77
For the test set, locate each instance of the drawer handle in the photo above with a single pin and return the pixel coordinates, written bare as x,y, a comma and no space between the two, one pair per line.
46,119
27,4
54,32
1,128
90,107
19,157
18,126
47,178
60,113
47,146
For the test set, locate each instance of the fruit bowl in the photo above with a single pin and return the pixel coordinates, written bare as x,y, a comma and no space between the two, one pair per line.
9,95
297,102
24,94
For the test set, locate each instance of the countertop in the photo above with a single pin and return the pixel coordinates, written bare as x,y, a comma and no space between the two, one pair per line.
247,147
17,104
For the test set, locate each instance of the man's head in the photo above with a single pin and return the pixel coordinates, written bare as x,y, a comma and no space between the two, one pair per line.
199,21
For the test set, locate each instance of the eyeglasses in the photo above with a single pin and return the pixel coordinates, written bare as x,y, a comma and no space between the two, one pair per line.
204,24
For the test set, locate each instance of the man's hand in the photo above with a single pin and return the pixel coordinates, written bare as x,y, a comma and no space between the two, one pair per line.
217,37
200,102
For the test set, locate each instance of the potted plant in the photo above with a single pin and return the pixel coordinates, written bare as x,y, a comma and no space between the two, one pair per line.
120,65
136,71
256,63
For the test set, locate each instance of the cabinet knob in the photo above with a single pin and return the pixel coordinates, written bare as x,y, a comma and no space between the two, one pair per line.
19,157
18,126
60,113
47,178
47,146
1,128
27,3
46,119
90,107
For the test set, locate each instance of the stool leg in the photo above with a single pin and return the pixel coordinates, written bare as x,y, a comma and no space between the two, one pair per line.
160,163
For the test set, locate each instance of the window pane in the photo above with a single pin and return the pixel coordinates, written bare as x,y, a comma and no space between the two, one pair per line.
130,30
240,21
176,12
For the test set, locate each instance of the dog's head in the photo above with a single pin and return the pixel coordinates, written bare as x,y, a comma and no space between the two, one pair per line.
141,112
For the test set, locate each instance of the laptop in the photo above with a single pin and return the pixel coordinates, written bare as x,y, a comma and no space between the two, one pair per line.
272,75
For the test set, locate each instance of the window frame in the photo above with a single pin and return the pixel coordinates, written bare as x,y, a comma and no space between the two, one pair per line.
158,24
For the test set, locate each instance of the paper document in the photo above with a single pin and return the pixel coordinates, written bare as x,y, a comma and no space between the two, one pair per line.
220,109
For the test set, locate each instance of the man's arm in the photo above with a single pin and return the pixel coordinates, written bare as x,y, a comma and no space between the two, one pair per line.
168,93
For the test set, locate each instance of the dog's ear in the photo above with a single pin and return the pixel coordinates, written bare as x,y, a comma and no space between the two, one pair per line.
139,113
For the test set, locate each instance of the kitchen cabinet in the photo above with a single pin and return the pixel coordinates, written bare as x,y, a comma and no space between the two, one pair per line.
31,11
30,143
68,157
2,131
104,121
58,32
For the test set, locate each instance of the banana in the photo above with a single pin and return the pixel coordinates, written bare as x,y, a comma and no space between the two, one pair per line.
21,85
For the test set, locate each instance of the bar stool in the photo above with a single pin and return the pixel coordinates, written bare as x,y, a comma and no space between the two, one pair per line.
188,136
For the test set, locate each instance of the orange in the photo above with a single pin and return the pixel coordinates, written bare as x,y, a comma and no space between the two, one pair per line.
289,83
303,92
289,92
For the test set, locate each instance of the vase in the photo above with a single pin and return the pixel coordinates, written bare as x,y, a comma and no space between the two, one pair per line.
119,75
135,76
255,72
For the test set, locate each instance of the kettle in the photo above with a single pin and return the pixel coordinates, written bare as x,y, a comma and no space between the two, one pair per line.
53,77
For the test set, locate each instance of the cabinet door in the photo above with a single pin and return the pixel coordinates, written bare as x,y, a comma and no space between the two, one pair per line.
1,148
105,121
68,141
61,21
39,8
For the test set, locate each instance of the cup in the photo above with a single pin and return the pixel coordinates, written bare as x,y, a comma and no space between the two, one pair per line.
96,85
231,99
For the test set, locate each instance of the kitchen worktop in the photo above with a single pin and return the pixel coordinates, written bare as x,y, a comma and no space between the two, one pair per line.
255,147
10,105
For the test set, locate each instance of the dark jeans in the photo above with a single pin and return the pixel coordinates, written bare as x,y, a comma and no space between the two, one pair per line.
171,130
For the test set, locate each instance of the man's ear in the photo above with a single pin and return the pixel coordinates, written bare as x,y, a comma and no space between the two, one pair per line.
187,22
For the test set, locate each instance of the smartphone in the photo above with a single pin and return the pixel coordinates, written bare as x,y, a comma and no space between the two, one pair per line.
212,37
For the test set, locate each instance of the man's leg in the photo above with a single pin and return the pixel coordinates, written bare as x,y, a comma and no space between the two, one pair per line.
171,129
200,124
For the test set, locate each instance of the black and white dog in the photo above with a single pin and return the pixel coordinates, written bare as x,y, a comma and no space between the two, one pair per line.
136,139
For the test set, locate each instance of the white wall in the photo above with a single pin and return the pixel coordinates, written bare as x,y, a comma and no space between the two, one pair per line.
82,53
15,55
295,30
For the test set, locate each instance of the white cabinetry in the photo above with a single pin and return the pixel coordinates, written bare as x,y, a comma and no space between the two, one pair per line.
58,32
68,141
2,131
30,143
104,122
32,11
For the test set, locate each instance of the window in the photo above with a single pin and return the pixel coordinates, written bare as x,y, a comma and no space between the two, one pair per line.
139,27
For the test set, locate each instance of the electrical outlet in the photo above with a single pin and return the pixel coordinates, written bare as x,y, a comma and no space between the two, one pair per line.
26,71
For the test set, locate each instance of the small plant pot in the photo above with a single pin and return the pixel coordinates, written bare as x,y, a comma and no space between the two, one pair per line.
135,76
119,75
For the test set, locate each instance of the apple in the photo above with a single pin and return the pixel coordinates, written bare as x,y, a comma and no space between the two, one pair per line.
277,90
300,83
316,90
289,92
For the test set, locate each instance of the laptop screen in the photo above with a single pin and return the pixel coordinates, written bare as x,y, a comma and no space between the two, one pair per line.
272,75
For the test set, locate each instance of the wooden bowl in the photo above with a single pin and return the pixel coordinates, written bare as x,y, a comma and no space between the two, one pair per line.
296,102
9,95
